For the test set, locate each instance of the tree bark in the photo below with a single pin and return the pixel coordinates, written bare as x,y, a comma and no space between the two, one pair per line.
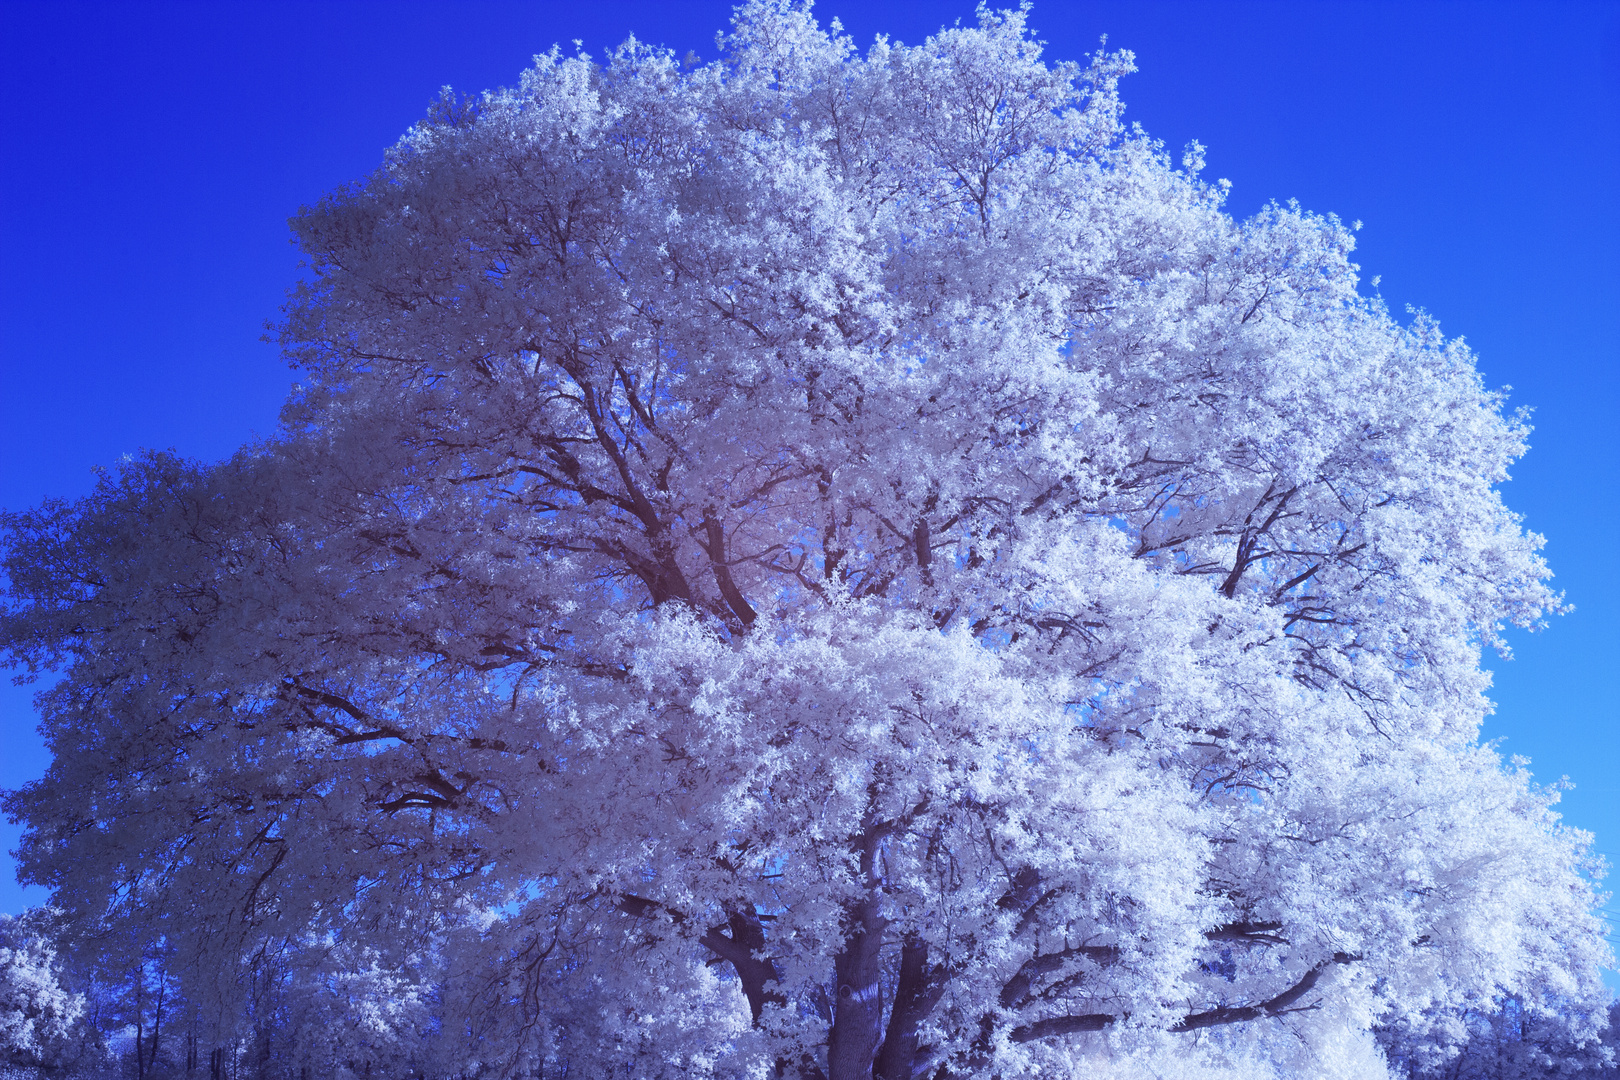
858,1005
1283,1002
917,992
716,549
740,944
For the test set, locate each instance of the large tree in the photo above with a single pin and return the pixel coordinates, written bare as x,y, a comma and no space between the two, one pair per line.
812,564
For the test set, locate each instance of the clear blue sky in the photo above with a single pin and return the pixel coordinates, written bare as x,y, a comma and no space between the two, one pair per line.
150,154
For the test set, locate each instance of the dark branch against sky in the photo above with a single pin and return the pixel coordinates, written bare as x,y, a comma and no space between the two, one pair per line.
154,151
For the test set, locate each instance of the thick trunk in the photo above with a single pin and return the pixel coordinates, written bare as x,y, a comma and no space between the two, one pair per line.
917,992
858,1007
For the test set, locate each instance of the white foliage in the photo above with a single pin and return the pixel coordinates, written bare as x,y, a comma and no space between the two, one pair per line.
38,1016
845,561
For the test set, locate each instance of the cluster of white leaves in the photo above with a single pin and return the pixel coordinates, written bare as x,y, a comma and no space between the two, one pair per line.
38,1016
847,564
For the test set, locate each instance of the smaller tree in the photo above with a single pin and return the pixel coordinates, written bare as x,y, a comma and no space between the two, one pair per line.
41,1021
1517,1037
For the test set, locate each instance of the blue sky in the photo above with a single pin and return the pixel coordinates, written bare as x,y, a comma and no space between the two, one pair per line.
152,153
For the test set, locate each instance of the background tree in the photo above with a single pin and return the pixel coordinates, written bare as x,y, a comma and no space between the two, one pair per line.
846,565
1506,1041
43,1029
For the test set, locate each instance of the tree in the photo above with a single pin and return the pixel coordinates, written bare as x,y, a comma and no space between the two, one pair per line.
1507,1042
814,565
42,1026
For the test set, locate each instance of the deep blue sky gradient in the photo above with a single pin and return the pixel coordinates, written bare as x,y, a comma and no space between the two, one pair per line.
151,153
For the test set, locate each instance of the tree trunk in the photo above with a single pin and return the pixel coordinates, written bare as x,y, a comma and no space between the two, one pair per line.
917,992
858,1006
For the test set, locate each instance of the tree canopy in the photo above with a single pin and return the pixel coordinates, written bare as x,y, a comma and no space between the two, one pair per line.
812,565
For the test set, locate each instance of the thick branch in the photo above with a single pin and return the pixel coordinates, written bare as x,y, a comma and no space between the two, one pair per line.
742,949
924,546
716,548
738,942
1017,988
1283,1002
1062,1025
1248,931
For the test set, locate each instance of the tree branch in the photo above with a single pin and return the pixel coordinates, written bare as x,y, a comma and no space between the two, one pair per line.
1283,1002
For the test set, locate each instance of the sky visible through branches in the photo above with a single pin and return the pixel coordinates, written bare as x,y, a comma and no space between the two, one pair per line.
154,153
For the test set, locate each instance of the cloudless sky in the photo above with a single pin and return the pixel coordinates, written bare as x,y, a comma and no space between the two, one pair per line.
151,153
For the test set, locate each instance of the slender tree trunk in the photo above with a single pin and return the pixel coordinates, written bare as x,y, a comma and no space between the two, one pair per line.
140,1023
157,1022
